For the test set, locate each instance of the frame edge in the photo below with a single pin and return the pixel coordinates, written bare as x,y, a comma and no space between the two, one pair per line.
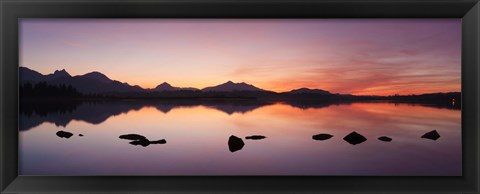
472,16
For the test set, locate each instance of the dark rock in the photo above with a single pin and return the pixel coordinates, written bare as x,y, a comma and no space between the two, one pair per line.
146,142
235,143
162,141
322,136
81,135
433,135
133,137
255,137
64,134
385,138
142,142
354,138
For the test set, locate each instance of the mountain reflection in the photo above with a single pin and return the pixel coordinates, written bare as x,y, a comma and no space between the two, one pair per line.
61,113
33,114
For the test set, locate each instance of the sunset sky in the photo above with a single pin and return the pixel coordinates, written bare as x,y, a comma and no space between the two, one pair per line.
356,56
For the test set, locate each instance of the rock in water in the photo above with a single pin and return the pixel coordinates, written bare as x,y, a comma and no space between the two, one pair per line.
133,137
433,135
64,134
162,141
322,136
235,143
354,138
385,138
142,142
81,135
146,142
255,137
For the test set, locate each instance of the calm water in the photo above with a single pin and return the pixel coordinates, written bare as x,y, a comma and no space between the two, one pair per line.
197,136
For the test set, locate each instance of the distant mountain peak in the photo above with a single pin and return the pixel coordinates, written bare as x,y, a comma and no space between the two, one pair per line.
57,74
62,72
230,86
308,90
165,87
164,84
27,75
302,90
25,68
95,75
233,83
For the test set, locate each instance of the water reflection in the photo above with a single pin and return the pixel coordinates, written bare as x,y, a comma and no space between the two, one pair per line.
33,114
61,113
119,138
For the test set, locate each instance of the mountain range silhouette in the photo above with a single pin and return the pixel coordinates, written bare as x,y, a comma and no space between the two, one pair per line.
96,82
229,97
60,85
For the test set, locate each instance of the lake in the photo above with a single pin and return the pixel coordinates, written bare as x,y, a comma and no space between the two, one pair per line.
197,135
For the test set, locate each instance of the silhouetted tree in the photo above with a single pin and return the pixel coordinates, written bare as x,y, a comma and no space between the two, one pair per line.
44,90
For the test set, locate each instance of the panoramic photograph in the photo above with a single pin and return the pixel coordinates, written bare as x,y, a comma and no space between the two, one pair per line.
257,97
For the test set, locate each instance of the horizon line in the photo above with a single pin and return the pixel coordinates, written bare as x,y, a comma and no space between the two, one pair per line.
248,83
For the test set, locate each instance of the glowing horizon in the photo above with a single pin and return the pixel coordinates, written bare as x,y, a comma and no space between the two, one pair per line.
348,56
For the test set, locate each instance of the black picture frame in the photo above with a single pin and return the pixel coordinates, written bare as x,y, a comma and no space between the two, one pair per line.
12,10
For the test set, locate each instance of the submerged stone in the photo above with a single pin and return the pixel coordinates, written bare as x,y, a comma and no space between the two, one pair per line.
64,134
255,137
322,136
354,138
385,138
433,135
235,143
